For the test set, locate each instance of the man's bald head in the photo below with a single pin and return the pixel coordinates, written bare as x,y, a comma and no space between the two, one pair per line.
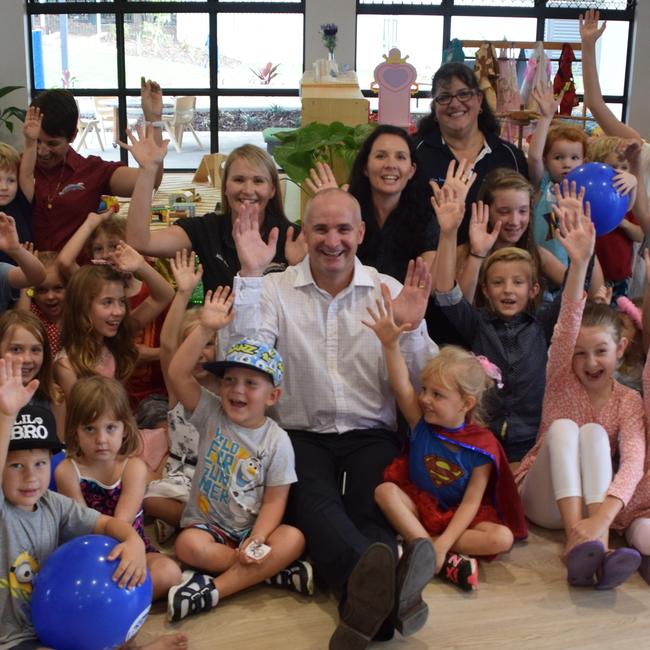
333,197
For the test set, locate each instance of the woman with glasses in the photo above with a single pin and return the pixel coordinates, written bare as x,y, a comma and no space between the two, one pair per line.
461,126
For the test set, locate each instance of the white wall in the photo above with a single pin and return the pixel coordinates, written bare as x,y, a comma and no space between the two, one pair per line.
639,102
14,55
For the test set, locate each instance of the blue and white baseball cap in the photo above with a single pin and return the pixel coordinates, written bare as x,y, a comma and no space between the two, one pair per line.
251,354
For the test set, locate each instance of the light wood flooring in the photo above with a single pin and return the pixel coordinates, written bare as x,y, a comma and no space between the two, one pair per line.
523,601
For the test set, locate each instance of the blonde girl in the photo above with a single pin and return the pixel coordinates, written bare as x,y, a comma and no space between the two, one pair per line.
97,328
454,485
22,335
100,471
166,498
567,480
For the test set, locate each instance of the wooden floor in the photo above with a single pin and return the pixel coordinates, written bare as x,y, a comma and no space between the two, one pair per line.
523,601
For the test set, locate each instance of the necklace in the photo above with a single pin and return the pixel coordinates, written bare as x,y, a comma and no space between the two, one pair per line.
51,197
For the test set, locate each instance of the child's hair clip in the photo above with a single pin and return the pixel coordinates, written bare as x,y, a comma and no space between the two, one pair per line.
627,307
491,370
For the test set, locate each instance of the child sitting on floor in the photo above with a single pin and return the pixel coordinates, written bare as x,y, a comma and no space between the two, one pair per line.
232,525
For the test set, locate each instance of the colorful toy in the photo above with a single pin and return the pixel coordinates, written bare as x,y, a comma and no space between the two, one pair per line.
108,203
77,606
608,207
395,81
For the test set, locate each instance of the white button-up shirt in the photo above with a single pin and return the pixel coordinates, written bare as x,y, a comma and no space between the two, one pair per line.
335,376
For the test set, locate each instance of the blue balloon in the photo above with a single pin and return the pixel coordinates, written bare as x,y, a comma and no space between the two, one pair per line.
77,606
608,207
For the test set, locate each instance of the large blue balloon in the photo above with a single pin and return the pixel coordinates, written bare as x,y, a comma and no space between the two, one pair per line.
77,606
608,207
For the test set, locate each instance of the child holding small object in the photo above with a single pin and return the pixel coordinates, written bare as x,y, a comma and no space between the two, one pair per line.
454,485
242,479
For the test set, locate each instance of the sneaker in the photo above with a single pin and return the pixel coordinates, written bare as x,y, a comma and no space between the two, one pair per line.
460,570
164,531
196,593
298,576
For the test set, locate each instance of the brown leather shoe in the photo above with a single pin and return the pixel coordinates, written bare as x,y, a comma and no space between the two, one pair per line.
369,601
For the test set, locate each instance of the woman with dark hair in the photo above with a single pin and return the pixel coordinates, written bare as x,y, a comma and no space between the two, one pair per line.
461,126
68,185
394,200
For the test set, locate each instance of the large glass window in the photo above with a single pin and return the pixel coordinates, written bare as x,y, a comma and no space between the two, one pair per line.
226,75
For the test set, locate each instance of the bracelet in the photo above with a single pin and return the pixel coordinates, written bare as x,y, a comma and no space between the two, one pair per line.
480,257
157,125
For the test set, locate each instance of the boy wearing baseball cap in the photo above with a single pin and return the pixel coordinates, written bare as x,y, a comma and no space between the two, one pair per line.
34,520
232,524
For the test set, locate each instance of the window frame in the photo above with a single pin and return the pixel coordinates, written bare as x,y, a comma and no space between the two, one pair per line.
119,8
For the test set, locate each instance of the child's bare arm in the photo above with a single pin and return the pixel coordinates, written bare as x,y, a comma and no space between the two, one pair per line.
13,396
128,260
274,503
216,313
31,131
132,569
465,513
134,483
30,272
547,107
589,34
64,375
187,278
67,257
67,481
384,326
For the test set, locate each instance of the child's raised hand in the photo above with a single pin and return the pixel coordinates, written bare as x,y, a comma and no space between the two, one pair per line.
589,30
217,309
448,206
185,271
481,241
151,99
604,295
576,233
8,234
144,147
459,178
126,259
132,570
32,124
624,183
568,196
546,100
383,323
13,395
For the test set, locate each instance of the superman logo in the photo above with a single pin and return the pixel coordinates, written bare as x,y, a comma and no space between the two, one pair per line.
442,471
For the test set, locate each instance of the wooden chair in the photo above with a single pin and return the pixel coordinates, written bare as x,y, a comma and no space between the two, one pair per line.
85,126
105,110
181,119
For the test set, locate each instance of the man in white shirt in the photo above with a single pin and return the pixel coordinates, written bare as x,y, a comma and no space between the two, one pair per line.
338,407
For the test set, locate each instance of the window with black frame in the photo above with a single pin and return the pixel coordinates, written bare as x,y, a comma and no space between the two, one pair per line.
422,30
226,72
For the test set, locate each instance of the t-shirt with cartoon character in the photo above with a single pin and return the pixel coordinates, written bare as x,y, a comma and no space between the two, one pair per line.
235,464
27,539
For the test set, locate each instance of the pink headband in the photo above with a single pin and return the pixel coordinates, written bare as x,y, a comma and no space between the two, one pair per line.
490,369
627,307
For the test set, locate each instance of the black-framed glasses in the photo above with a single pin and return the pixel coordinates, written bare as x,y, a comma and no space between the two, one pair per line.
462,96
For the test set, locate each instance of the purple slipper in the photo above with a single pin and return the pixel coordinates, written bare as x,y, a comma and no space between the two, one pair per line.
617,567
582,562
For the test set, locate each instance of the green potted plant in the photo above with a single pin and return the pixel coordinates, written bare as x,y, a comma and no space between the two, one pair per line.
10,112
335,144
